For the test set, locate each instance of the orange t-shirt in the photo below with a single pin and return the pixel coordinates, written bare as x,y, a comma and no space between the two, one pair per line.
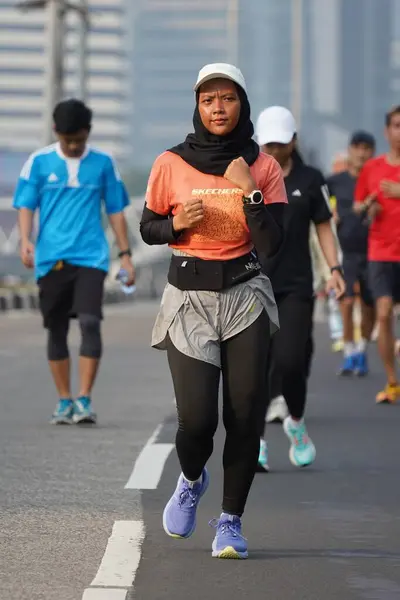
223,234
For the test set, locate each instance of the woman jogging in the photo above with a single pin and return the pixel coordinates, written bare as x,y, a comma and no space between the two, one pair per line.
290,271
212,199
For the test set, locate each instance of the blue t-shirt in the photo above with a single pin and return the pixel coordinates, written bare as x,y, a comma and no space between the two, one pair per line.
69,193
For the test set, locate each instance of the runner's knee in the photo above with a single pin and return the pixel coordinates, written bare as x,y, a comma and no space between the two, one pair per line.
348,301
57,346
91,345
384,310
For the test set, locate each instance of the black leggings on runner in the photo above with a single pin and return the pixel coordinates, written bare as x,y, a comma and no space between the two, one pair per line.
243,364
291,352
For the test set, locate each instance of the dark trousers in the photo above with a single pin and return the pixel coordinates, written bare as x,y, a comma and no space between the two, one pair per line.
291,351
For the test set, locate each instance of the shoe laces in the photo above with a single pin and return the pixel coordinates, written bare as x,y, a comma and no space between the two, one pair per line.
188,496
300,436
227,526
64,404
84,402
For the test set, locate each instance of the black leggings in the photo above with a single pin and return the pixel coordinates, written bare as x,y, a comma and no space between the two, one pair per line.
291,352
243,364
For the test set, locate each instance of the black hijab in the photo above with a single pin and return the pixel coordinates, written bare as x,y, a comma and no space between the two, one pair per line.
210,153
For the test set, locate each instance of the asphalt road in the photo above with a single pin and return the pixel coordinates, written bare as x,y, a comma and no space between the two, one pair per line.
331,532
62,488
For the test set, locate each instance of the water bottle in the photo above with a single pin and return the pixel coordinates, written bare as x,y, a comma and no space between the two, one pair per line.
123,277
335,317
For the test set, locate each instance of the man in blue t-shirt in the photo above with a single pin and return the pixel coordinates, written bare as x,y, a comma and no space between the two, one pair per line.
352,232
69,183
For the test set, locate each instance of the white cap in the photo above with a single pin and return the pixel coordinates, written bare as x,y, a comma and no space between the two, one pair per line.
275,124
222,71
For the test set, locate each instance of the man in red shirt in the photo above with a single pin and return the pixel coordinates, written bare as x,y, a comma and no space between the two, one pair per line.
378,195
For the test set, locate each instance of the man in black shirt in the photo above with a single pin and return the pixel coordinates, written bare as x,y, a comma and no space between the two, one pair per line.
352,232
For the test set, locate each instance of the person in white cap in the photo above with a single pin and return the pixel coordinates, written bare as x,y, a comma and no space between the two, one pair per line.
291,275
214,198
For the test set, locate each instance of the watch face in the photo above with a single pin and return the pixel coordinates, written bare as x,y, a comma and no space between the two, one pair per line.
257,197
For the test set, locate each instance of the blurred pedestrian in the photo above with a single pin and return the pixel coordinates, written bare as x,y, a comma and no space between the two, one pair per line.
378,197
291,274
67,183
352,231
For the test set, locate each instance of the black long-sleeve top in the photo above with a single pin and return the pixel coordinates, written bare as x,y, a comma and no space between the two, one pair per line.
265,222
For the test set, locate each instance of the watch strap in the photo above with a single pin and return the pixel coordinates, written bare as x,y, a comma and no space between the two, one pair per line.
127,252
337,268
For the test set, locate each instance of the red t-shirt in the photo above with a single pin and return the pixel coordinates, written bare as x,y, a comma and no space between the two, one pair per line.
384,233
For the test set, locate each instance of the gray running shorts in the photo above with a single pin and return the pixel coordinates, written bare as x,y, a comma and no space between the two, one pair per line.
197,321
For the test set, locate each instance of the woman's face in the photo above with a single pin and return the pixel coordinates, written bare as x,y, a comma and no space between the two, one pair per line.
219,106
281,152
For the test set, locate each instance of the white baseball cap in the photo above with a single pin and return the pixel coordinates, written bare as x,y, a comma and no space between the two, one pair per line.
222,71
275,124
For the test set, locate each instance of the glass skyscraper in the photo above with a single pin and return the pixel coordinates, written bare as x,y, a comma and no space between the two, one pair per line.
345,52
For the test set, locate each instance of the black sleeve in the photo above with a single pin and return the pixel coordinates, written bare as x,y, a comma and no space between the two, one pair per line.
320,211
265,222
157,229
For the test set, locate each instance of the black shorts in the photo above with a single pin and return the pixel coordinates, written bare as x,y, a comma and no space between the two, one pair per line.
384,279
355,267
70,291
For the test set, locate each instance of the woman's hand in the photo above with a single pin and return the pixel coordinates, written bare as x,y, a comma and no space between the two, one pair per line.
239,174
191,214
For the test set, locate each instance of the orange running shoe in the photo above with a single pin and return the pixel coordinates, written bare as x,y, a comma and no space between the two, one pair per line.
389,395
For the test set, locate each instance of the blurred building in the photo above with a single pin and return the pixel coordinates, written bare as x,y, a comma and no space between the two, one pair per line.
22,88
173,39
22,78
345,52
351,70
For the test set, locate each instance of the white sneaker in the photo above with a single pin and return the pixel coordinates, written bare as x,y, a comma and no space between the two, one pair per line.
277,411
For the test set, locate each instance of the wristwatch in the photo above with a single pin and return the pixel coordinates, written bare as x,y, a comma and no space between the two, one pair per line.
255,197
337,268
127,252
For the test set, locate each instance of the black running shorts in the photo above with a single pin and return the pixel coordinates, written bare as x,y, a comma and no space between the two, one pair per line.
355,267
68,290
384,279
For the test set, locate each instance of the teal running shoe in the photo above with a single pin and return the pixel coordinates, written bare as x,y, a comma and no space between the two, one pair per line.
302,451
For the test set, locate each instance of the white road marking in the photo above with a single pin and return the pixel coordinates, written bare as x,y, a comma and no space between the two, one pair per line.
122,556
154,436
121,559
104,594
149,465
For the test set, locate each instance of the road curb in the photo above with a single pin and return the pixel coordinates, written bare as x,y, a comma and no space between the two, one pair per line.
23,300
151,280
